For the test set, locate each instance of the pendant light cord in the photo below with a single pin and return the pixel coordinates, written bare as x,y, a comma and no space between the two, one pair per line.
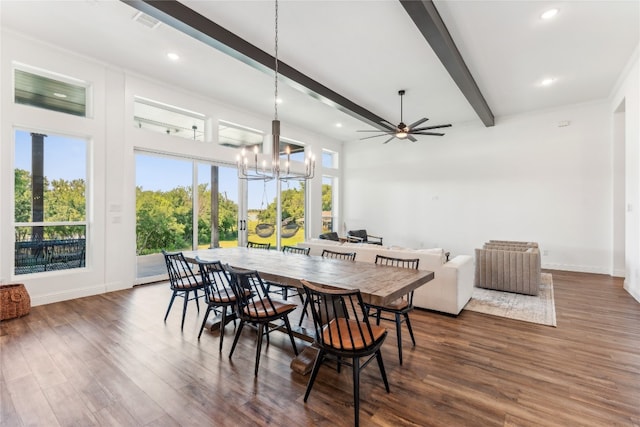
275,102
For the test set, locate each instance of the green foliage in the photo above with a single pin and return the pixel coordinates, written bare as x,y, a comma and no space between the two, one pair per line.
157,225
22,184
292,206
227,219
63,201
164,219
327,197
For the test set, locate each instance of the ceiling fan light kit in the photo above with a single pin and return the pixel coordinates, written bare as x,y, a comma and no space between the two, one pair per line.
402,131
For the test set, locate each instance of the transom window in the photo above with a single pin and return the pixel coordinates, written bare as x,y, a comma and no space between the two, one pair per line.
237,136
169,119
50,91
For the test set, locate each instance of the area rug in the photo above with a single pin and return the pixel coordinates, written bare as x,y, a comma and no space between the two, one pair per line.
539,309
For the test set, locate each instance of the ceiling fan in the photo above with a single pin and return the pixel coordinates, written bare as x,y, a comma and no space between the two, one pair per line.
402,131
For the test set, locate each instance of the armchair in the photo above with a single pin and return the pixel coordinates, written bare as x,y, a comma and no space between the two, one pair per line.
509,266
362,237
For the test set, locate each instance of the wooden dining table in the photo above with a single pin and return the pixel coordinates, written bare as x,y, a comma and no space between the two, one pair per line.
378,284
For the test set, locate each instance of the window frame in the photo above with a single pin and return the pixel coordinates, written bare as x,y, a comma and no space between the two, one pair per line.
87,205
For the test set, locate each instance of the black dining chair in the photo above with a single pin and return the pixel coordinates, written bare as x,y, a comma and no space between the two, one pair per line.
349,256
219,295
256,245
340,333
182,282
256,307
399,308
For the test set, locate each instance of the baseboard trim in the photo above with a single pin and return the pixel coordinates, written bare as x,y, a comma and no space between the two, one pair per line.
151,279
619,273
633,293
77,293
577,268
67,295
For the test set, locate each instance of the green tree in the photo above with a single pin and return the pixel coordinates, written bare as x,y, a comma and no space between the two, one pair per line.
227,218
157,224
327,197
204,213
22,185
292,206
64,201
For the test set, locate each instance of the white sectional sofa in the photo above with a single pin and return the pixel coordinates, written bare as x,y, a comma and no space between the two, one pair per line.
448,292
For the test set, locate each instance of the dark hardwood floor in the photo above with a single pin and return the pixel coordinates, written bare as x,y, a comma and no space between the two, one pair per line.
111,360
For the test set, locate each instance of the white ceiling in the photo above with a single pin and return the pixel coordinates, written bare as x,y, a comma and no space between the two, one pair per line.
364,50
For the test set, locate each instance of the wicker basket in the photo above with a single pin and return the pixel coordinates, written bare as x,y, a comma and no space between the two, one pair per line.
14,301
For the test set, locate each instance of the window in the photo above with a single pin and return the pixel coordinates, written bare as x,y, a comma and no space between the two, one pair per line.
329,192
328,205
296,149
171,120
50,91
50,210
329,159
237,136
165,204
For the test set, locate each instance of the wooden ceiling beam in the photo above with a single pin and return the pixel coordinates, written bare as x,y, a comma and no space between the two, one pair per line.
426,17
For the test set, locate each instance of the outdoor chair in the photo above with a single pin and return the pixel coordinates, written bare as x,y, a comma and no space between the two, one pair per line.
256,307
340,333
182,282
399,308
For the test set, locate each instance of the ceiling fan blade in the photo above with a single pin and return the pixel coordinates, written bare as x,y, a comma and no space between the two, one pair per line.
379,131
373,136
410,138
419,122
429,133
388,124
430,127
389,139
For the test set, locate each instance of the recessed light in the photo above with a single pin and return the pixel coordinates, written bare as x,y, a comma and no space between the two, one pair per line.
549,14
59,95
338,125
548,82
278,100
173,56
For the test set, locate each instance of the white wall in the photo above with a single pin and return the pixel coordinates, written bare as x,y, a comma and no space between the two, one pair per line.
627,93
113,141
526,178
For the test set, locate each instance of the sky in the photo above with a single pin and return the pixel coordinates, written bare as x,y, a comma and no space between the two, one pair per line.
66,158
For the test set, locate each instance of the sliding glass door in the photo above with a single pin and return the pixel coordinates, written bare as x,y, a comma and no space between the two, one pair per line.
217,193
164,204
261,212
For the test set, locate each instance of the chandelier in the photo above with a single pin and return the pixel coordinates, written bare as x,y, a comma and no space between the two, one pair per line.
262,171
